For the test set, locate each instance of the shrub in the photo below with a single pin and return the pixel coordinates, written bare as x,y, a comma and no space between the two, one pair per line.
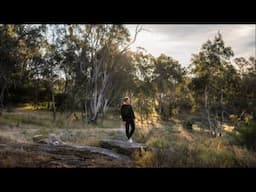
188,125
247,135
10,109
145,159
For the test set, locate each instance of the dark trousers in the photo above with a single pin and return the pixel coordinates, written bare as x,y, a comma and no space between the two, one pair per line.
129,123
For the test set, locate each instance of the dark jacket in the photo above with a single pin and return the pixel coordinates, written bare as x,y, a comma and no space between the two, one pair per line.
127,112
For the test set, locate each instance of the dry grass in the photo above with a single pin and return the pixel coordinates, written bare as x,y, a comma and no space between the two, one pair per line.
22,124
19,159
40,119
174,146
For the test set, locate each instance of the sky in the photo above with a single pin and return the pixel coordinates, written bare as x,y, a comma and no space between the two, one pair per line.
182,40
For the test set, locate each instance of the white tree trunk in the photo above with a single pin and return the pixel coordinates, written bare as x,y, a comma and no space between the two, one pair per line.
207,109
53,105
98,95
222,113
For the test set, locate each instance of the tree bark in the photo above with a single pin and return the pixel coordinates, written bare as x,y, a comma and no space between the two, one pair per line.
206,108
94,118
53,105
141,115
86,112
2,94
222,113
54,108
97,102
36,93
160,104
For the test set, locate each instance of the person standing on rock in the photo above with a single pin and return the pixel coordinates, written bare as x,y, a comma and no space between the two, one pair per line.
128,118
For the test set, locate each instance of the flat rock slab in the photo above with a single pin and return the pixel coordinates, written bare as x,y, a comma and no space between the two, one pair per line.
123,147
103,151
60,156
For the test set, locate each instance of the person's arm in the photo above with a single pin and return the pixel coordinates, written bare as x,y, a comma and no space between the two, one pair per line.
122,114
133,115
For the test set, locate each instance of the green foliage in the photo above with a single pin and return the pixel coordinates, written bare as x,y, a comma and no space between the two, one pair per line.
211,67
18,49
247,135
90,68
167,74
188,125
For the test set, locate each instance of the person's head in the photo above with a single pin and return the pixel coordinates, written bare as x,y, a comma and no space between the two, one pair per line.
126,100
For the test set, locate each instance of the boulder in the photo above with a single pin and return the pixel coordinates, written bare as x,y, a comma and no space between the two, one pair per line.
40,139
51,139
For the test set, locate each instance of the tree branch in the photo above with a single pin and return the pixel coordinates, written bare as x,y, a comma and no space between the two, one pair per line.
137,30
